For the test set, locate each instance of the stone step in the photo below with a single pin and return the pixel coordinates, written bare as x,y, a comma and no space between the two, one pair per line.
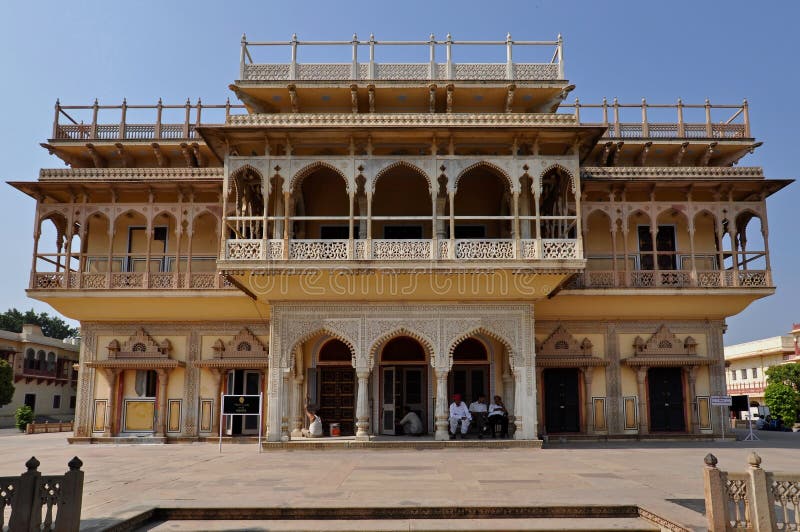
415,525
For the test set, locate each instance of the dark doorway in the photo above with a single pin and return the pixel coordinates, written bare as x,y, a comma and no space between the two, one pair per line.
30,400
470,373
337,398
561,400
243,382
666,247
665,386
403,382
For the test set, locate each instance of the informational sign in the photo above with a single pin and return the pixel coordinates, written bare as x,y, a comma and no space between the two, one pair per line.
242,405
721,400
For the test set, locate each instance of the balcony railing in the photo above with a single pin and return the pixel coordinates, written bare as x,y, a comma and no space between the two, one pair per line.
428,70
741,388
84,121
672,279
127,280
401,250
654,121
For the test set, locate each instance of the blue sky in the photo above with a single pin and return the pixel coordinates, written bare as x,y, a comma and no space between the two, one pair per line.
143,50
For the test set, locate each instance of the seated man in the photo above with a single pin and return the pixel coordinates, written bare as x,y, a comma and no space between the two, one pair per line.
478,410
314,429
411,423
498,415
459,413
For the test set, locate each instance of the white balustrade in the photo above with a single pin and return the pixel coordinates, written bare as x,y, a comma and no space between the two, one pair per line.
485,249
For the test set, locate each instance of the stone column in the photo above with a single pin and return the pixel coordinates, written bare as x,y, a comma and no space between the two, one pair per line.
539,393
442,413
691,375
297,402
285,401
362,404
274,399
587,391
518,402
641,376
161,427
220,375
111,377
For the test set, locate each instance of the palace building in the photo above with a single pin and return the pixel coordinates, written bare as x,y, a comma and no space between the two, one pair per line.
367,237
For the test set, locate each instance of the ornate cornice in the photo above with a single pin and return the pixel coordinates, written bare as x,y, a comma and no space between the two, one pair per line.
136,363
668,361
660,172
400,120
233,363
124,174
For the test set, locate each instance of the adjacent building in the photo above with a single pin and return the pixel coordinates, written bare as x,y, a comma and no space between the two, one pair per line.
747,363
45,378
367,237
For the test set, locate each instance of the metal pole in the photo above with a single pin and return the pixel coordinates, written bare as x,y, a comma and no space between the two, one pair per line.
221,397
260,417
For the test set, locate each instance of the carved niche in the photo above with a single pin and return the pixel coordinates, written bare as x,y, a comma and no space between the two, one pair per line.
140,345
243,345
664,342
562,344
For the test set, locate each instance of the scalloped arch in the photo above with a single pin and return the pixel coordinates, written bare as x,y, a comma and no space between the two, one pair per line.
557,166
317,331
485,164
426,343
398,164
309,169
475,332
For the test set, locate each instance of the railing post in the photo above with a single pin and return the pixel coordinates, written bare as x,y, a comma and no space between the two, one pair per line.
293,65
371,70
199,110
449,56
509,58
188,108
681,125
760,495
55,119
645,126
242,56
69,510
123,117
227,109
432,56
354,68
616,118
715,494
25,498
605,111
159,109
95,112
577,110
708,119
561,72
746,115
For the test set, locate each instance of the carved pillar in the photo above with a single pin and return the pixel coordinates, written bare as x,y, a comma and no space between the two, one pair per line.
351,224
287,231
734,253
587,392
275,399
625,258
654,240
110,421
362,209
641,377
691,253
297,405
441,232
161,400
442,408
508,389
220,376
277,226
369,226
614,264
190,236
452,247
540,394
691,376
285,399
765,236
362,404
518,402
110,253
524,203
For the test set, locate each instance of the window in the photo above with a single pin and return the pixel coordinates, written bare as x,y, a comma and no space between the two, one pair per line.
72,402
744,373
666,247
733,374
30,359
146,382
30,400
754,371
56,402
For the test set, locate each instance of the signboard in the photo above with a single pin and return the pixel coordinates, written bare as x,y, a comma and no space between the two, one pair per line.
242,405
721,400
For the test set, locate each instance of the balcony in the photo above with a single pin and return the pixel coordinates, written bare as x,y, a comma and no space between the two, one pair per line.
672,279
551,67
127,281
744,388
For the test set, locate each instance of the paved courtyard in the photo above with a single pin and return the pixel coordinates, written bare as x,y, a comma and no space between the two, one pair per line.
124,479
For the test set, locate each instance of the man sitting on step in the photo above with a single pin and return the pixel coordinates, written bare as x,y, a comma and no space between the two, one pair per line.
459,413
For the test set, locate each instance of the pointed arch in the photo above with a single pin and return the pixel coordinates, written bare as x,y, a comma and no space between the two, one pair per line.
424,341
309,169
493,168
316,331
560,167
402,164
474,332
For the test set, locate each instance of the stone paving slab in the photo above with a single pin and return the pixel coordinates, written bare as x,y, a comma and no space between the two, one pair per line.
647,474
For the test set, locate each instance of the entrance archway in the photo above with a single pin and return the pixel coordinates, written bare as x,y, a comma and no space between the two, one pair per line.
403,382
666,400
469,375
337,385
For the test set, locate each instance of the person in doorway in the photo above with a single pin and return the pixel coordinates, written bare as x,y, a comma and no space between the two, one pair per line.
314,429
459,413
498,415
478,409
411,423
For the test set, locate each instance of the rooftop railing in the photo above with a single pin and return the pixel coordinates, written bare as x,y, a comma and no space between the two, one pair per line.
711,124
249,70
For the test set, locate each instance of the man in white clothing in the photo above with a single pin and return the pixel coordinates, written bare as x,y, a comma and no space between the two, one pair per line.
314,429
411,423
459,413
478,409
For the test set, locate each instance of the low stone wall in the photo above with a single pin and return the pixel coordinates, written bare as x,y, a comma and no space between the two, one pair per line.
35,428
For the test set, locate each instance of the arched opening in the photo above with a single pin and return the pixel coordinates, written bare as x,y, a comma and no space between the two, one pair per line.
469,375
403,383
600,249
321,206
129,247
97,244
557,205
750,242
41,360
401,205
482,205
640,241
163,242
336,387
52,244
672,241
201,250
51,362
30,359
706,243
246,197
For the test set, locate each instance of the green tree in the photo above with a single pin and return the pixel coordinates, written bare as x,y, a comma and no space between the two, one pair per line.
782,393
23,416
52,326
6,383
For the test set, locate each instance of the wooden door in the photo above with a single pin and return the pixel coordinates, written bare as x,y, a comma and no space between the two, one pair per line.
561,400
665,387
337,398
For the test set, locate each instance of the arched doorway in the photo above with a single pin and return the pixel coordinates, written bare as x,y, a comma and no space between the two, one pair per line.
665,397
337,385
469,375
561,400
403,382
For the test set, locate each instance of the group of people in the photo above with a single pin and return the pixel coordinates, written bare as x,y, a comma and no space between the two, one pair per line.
486,417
